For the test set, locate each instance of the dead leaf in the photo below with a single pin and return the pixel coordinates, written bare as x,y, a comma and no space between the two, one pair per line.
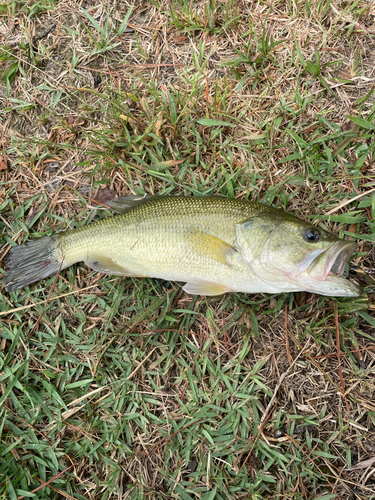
74,121
364,465
3,163
179,40
104,195
158,125
344,75
129,120
348,125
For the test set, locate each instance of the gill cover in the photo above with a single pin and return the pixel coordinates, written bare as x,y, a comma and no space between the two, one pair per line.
252,235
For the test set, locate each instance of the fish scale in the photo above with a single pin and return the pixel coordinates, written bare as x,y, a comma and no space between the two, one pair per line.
158,226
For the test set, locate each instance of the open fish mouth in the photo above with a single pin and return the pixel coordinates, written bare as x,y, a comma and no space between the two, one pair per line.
332,262
339,258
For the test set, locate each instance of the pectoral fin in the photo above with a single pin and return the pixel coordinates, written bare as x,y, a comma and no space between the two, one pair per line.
106,265
200,287
208,246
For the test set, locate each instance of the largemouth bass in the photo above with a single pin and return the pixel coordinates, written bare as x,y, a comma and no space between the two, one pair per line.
213,244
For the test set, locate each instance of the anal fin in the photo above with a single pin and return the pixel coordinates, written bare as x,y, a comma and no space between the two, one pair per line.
201,287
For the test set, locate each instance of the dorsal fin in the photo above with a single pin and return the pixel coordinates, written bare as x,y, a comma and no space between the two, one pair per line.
124,204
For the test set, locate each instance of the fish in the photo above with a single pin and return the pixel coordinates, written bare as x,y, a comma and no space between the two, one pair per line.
212,244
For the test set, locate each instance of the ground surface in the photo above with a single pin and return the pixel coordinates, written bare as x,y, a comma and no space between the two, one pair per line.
128,388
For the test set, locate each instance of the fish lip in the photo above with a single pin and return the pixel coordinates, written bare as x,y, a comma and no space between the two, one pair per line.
338,256
327,272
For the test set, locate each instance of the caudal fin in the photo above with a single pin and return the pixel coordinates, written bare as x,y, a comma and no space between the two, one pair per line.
31,262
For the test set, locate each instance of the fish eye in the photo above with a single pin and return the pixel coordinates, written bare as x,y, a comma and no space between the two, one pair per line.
311,235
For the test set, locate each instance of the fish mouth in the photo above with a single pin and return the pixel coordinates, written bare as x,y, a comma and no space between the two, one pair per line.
333,261
326,272
339,258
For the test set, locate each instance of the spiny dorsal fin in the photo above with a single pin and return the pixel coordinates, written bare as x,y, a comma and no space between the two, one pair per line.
124,204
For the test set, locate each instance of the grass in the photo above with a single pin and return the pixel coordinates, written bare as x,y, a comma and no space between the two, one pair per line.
128,388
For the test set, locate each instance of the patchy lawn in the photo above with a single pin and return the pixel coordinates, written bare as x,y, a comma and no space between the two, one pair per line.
117,388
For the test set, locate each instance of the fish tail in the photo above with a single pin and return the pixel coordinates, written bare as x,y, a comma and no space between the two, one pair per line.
31,262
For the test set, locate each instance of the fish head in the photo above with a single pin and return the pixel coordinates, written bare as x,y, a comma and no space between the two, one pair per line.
292,255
